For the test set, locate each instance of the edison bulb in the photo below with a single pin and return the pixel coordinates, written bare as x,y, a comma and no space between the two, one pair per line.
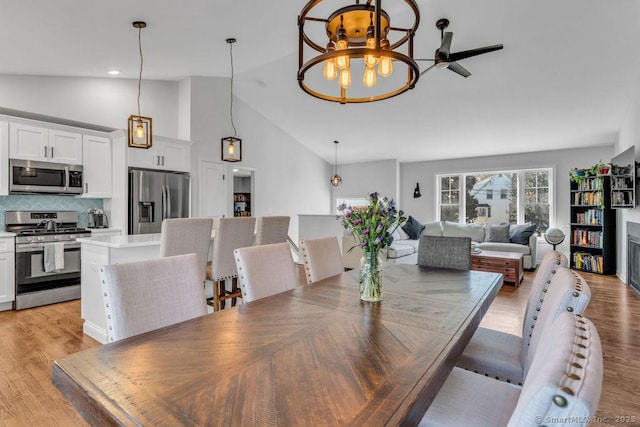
370,60
330,72
345,78
369,77
342,61
139,130
386,66
231,149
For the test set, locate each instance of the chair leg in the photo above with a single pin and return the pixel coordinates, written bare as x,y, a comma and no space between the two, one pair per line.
234,291
218,291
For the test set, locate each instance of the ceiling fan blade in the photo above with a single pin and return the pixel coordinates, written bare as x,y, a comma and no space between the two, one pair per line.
457,68
457,56
445,45
422,72
424,59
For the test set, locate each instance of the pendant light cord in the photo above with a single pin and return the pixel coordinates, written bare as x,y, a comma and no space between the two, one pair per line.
336,159
231,96
141,61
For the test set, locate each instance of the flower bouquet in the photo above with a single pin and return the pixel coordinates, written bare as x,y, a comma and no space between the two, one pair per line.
372,226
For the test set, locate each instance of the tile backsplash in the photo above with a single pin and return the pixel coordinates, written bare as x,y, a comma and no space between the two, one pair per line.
37,202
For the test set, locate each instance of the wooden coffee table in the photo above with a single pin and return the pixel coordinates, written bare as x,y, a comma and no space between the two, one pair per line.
507,263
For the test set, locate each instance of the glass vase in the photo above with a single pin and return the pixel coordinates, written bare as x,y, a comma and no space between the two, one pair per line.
370,278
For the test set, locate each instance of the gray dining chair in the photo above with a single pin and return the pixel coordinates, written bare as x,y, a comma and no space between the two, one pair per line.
321,258
229,235
272,229
180,236
445,252
507,357
563,386
142,296
265,270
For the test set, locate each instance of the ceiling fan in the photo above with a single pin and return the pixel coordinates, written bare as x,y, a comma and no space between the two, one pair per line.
444,58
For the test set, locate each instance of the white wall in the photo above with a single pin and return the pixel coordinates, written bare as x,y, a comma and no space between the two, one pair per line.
362,179
106,102
629,136
290,179
424,209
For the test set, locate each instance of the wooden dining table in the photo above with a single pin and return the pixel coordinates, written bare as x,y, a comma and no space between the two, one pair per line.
315,355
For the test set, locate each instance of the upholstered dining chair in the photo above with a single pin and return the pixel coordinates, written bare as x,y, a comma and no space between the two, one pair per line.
229,235
445,252
564,383
265,270
180,236
145,295
507,357
272,229
321,258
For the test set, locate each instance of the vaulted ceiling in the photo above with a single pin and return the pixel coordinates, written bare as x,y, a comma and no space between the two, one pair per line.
565,78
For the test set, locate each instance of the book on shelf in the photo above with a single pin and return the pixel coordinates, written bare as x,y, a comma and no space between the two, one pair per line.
589,217
588,198
588,262
587,238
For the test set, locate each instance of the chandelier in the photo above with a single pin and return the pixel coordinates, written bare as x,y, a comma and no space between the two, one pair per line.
358,39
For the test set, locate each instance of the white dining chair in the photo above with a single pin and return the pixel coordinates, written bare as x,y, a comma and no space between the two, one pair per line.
265,270
272,229
562,388
445,252
321,257
229,234
507,357
180,236
142,296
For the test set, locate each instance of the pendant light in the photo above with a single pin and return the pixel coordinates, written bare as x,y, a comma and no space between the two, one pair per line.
336,179
231,147
139,127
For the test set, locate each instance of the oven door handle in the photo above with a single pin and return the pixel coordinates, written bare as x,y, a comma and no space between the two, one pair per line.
66,174
39,247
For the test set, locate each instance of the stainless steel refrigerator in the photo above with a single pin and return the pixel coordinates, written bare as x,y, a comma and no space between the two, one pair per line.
154,196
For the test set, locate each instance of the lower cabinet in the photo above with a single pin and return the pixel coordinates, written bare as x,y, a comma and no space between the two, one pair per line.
7,273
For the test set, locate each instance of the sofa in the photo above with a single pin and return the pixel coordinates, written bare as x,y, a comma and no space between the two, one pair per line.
519,238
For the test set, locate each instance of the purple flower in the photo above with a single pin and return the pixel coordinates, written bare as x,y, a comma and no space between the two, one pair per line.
363,244
357,221
365,232
378,239
347,214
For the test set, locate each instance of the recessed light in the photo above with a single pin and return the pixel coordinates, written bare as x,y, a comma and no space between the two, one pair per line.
114,72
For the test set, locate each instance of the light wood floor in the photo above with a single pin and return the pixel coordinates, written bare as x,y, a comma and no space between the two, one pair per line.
31,339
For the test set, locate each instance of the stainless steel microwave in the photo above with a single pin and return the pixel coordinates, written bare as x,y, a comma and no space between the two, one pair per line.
27,176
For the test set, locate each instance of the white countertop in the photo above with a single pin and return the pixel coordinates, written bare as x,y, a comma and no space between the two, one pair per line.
6,234
120,241
104,230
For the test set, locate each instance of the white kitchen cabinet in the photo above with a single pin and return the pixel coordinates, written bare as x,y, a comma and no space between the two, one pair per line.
7,273
38,143
4,157
96,162
164,154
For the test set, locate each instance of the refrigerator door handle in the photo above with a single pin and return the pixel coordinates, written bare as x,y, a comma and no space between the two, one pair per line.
164,202
169,211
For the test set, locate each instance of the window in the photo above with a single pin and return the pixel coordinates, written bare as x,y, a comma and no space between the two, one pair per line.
525,196
450,198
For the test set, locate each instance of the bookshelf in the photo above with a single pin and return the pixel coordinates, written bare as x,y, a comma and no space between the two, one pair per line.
241,204
593,226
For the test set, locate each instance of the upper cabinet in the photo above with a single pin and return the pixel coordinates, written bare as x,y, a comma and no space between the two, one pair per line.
29,142
4,157
96,161
165,154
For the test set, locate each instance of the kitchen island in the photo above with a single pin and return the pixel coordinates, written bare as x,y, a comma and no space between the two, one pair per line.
102,250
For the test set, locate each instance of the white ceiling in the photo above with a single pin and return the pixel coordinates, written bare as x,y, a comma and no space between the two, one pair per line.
565,78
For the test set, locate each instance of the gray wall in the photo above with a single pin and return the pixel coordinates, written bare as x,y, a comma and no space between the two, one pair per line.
362,179
629,136
424,208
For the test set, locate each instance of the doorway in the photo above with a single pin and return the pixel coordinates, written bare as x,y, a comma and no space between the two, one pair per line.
243,192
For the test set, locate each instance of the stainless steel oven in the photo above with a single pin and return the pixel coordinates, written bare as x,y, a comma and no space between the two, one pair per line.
26,176
41,237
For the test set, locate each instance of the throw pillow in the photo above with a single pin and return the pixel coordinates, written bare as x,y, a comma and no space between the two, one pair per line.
521,233
413,228
474,231
433,229
403,234
499,233
396,234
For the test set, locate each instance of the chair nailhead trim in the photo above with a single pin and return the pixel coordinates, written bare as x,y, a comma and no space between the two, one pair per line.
572,376
559,401
568,391
570,309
